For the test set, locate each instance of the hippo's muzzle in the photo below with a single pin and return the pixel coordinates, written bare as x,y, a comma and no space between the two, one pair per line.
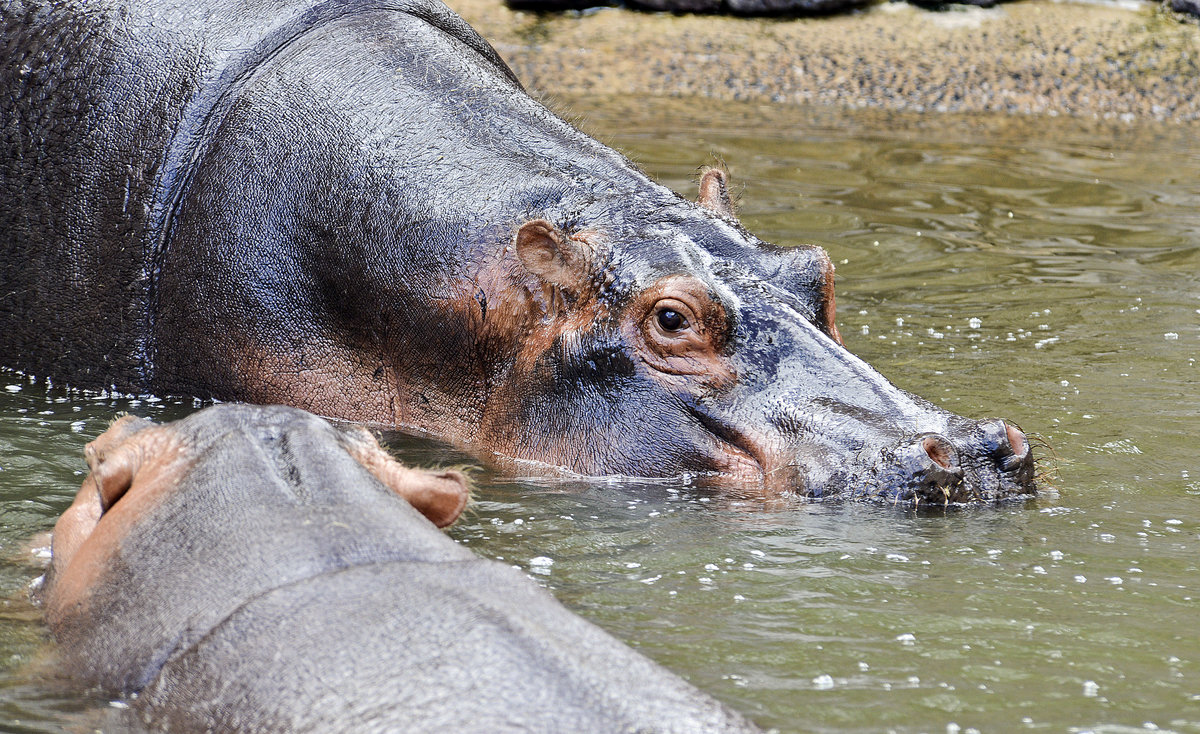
860,437
982,461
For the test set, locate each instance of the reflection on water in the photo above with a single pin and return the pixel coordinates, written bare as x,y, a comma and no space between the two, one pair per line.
1031,269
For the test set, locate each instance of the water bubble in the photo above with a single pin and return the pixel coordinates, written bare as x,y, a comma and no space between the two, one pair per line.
907,638
975,323
1090,688
1170,336
823,682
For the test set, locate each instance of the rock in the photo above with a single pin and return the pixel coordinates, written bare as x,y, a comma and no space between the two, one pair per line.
751,7
940,4
730,7
1186,6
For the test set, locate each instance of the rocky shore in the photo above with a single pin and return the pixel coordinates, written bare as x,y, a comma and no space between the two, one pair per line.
1033,57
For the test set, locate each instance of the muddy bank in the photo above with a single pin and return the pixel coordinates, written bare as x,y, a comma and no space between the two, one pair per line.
1036,57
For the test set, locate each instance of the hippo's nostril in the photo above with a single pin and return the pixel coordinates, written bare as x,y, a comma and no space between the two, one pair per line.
1009,451
940,451
1016,439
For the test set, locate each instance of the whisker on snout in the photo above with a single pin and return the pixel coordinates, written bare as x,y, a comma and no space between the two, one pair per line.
1046,460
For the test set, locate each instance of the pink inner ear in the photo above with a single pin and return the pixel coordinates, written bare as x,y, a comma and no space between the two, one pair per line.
441,496
829,311
549,254
114,460
114,475
714,192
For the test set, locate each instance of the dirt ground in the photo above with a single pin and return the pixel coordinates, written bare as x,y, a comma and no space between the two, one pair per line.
1035,57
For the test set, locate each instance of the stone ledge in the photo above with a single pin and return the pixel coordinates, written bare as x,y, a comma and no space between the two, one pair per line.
1036,57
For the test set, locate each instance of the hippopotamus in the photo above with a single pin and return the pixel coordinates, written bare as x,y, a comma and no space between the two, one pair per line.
258,569
355,208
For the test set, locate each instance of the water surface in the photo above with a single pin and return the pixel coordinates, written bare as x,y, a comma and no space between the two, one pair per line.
1038,270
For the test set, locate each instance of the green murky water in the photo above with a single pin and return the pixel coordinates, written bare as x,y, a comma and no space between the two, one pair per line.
1037,270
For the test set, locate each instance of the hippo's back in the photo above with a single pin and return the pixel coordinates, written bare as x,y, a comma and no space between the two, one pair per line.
103,110
78,158
422,647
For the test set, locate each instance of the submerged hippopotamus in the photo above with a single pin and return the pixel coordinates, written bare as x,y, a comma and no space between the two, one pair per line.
257,569
354,208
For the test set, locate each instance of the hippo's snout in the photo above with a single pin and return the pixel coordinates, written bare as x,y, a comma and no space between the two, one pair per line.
975,461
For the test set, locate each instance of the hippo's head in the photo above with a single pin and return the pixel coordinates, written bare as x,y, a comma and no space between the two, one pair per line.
687,346
178,525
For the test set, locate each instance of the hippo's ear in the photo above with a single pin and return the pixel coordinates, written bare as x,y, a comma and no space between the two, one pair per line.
112,462
714,193
441,496
807,272
559,260
113,474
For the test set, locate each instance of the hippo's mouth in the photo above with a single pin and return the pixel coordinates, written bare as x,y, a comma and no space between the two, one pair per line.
743,457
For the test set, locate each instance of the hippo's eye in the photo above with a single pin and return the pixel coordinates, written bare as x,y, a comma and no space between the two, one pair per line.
681,329
671,320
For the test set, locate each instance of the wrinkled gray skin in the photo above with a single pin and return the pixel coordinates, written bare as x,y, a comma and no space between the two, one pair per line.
326,204
276,585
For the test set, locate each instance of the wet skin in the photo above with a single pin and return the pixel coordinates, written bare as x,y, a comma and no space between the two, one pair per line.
258,569
356,209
